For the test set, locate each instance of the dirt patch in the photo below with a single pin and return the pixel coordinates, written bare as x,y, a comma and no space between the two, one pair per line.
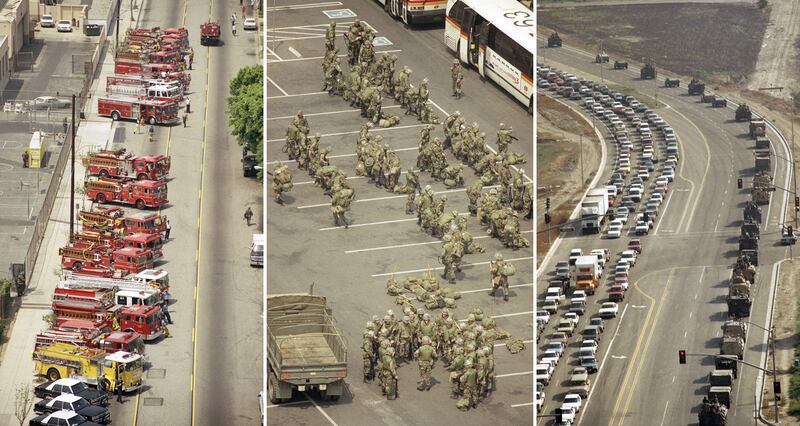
558,148
702,39
786,338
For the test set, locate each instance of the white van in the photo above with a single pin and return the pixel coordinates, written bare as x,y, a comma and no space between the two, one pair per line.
257,250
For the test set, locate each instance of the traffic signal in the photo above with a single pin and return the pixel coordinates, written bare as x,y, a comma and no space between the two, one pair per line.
681,357
739,183
797,201
776,387
547,203
547,218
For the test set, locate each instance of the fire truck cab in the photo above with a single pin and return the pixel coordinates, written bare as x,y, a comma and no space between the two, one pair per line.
157,277
145,320
149,223
149,297
131,260
143,240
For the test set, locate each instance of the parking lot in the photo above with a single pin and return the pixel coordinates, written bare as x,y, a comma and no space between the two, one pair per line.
351,266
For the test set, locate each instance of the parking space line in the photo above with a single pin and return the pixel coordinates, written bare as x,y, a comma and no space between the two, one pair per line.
360,225
320,410
413,271
480,237
522,405
314,114
489,288
391,197
295,52
524,373
344,155
410,126
299,94
496,345
272,52
304,6
311,58
276,85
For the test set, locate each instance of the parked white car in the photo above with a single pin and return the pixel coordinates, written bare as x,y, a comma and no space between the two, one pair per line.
64,26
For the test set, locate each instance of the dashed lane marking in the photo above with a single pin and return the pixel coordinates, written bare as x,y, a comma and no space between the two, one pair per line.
295,52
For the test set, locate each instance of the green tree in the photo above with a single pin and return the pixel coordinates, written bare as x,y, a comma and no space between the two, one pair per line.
246,110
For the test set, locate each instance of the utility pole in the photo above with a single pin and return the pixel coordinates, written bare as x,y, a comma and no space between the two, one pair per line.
72,178
581,145
774,367
116,28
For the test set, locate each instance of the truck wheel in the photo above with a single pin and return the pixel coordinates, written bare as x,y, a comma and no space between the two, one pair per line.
104,173
100,198
140,204
142,176
115,116
272,393
151,121
77,266
53,374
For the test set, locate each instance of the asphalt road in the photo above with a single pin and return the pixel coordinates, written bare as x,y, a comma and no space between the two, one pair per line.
350,267
209,372
679,284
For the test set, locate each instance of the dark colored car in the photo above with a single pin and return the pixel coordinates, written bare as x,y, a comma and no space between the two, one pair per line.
74,403
249,163
61,418
53,389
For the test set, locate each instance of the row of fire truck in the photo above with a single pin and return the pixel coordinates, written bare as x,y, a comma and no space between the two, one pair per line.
122,164
151,77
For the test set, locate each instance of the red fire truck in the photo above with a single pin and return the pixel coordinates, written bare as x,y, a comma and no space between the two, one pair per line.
92,337
141,319
131,108
142,82
102,219
139,67
120,163
159,93
147,241
149,223
100,261
141,193
110,240
209,34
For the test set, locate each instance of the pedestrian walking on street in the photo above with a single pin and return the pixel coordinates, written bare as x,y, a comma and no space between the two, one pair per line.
169,228
233,29
188,105
185,117
191,57
139,123
248,215
24,159
165,312
152,132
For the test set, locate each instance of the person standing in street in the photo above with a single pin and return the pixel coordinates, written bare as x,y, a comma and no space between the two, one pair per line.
248,215
118,387
169,228
165,311
185,117
188,105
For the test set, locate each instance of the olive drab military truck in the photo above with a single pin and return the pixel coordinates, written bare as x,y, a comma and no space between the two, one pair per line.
305,350
648,71
752,212
712,413
743,113
672,82
762,142
762,188
763,161
719,102
757,128
749,227
554,40
601,57
733,328
739,300
748,246
620,65
696,87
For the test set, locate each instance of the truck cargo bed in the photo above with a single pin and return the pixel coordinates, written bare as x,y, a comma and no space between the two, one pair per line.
310,349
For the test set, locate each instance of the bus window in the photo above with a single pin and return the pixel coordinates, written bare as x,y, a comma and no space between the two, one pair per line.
457,12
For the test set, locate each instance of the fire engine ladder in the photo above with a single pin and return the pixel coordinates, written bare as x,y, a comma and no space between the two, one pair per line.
81,281
57,360
52,336
96,220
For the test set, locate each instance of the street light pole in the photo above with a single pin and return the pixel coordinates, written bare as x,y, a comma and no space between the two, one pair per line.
72,178
771,335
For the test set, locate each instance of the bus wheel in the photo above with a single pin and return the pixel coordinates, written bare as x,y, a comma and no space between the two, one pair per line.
140,204
115,116
100,198
53,374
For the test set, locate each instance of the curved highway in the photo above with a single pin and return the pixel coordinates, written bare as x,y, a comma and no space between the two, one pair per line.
677,298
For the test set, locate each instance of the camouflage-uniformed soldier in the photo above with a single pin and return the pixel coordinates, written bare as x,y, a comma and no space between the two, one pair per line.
469,384
455,71
456,368
422,94
388,74
459,85
340,204
370,356
474,194
426,357
333,79
449,127
409,208
483,372
453,175
405,334
411,185
510,235
500,270
489,203
367,53
388,372
414,321
426,327
354,38
424,202
527,201
310,151
402,84
504,138
281,181
393,170
354,86
449,258
449,332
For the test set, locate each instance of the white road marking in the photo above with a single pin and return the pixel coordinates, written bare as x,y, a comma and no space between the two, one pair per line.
343,155
278,87
489,288
480,237
410,126
321,410
666,205
272,52
664,417
358,225
522,405
299,94
497,345
524,373
313,58
286,117
304,6
389,197
690,314
673,379
619,357
413,271
295,52
516,314
638,306
287,403
684,335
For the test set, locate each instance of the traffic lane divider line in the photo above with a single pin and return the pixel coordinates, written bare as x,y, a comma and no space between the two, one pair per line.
413,271
647,344
355,132
522,405
392,197
287,117
479,237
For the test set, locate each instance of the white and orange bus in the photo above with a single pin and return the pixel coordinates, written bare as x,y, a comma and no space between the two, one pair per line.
415,11
496,37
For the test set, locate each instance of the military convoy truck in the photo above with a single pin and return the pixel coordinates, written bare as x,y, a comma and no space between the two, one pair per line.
762,159
743,113
554,40
601,57
752,212
696,87
762,142
306,350
733,346
712,413
648,71
757,128
672,83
